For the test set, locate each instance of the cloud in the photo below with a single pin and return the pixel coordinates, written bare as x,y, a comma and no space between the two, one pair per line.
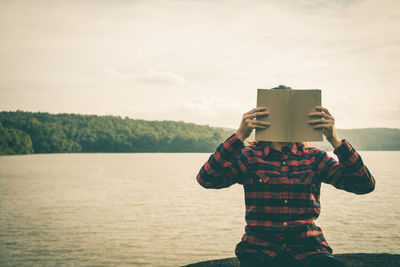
150,76
207,109
208,105
114,73
159,77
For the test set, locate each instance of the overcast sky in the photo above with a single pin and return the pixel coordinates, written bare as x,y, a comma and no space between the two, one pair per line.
200,61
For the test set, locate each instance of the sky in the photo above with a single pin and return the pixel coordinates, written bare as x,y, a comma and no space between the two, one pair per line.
200,61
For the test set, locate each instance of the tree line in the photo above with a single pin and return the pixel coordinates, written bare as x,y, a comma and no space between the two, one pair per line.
40,132
368,139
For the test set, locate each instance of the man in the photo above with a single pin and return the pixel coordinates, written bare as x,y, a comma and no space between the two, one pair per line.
282,187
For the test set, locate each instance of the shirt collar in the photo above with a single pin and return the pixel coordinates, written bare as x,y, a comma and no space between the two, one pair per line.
292,146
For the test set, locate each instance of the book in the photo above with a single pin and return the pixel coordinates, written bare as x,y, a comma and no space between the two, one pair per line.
288,115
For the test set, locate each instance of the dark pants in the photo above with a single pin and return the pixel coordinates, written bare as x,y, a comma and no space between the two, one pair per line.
286,260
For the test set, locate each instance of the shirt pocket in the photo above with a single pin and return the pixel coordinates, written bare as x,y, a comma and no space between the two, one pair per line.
307,177
261,177
301,177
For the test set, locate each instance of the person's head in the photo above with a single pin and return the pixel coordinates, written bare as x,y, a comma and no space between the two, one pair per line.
262,143
281,86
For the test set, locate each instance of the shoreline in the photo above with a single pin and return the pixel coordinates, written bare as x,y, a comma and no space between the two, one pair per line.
351,260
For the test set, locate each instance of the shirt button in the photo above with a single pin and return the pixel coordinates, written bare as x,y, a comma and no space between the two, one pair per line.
260,180
285,201
284,163
284,245
284,223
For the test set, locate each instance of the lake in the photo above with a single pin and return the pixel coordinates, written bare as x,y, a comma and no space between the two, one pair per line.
148,210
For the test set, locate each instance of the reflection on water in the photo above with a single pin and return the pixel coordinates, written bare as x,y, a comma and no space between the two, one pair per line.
148,210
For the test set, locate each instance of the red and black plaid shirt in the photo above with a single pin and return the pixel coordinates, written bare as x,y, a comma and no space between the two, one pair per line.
282,191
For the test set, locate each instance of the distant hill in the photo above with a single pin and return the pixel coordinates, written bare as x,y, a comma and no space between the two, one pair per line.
367,139
37,132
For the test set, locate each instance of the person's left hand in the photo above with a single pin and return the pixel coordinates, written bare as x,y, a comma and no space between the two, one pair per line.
327,123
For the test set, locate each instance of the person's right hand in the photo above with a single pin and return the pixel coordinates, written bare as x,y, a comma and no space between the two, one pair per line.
249,122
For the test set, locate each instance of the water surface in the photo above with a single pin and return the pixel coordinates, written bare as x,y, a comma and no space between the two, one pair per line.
148,210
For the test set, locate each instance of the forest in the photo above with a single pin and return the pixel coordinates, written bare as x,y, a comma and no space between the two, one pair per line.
41,132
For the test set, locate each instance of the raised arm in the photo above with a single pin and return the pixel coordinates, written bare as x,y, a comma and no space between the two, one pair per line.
227,165
349,173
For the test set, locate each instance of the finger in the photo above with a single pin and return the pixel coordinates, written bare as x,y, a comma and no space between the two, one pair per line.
326,126
256,122
323,109
255,109
261,122
326,116
256,114
255,126
320,121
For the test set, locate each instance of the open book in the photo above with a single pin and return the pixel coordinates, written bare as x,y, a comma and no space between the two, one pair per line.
288,115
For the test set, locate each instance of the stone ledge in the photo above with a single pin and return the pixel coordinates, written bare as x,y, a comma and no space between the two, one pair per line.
351,260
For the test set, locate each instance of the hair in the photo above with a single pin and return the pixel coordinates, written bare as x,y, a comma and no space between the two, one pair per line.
257,143
281,86
262,143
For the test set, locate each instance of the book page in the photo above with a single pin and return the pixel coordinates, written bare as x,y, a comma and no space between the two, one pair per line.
277,103
303,102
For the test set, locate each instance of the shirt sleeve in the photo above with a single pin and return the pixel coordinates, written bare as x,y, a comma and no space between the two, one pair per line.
349,174
225,166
